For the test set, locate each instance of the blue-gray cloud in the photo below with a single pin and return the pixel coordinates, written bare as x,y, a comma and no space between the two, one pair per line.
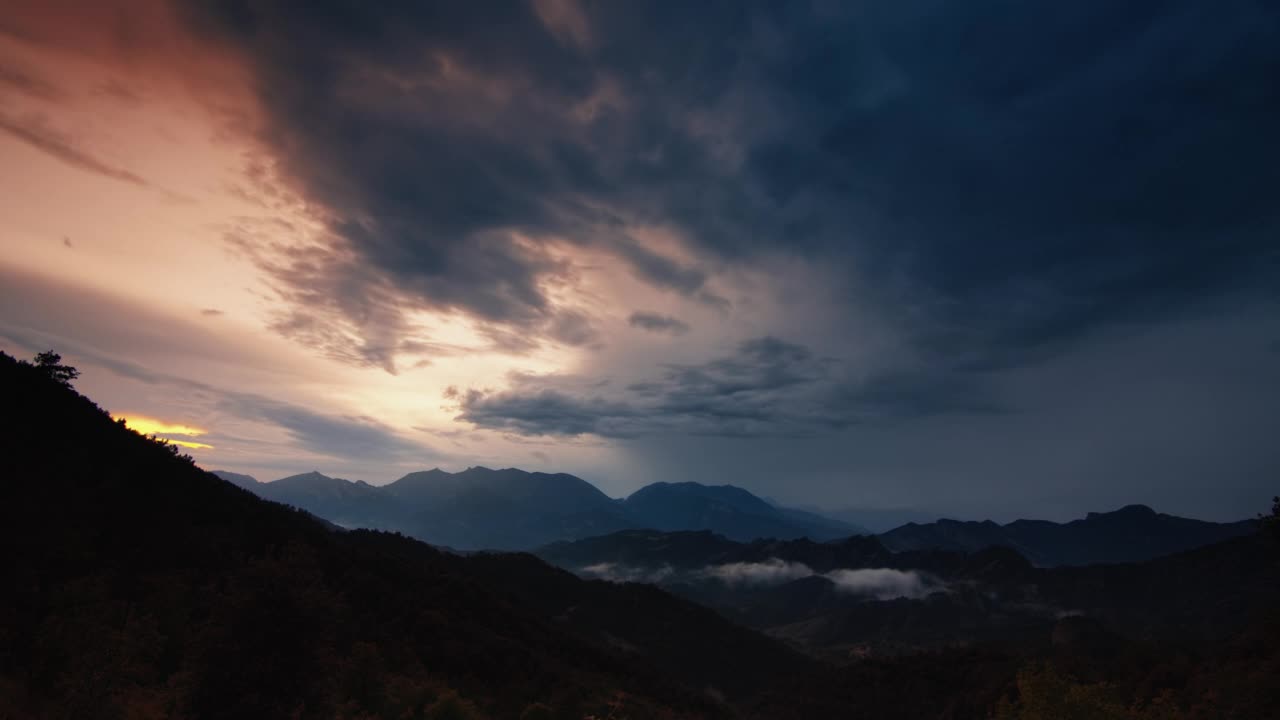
657,323
767,387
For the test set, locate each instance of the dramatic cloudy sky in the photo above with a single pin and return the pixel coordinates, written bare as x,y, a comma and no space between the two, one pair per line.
990,259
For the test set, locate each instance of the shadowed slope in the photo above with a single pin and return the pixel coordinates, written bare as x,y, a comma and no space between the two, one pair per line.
141,583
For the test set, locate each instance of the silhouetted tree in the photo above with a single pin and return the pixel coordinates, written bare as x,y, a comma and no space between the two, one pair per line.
51,363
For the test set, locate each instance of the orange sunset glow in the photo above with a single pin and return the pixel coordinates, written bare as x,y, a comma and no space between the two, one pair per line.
166,431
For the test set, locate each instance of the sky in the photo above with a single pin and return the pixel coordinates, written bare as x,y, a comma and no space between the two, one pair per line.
984,259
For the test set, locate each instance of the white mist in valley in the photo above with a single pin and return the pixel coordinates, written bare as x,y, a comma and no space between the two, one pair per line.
872,583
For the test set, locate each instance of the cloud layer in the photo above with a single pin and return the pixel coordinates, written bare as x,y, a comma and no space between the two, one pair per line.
766,387
876,583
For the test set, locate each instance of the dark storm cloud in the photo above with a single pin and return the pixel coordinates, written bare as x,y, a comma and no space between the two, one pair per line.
767,387
429,134
546,411
432,134
1007,177
661,271
1039,171
657,323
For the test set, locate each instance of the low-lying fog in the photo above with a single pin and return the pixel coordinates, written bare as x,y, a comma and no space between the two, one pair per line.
874,583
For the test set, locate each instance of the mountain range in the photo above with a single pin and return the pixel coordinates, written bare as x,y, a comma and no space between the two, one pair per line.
511,509
1132,533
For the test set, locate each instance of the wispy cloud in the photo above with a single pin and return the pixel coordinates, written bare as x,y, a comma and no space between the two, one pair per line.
884,583
27,81
770,572
36,132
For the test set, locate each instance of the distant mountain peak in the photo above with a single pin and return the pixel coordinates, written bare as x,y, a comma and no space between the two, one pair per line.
1134,511
313,475
434,472
510,508
695,485
690,486
728,510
